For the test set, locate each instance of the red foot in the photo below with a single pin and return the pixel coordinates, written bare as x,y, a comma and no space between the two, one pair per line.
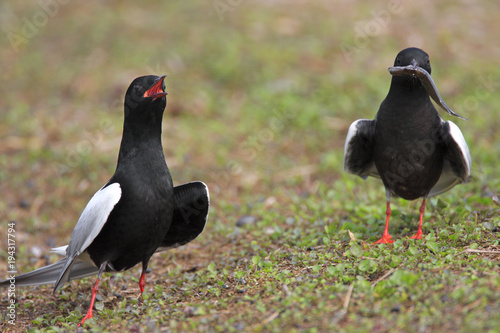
386,239
418,235
87,316
142,282
89,312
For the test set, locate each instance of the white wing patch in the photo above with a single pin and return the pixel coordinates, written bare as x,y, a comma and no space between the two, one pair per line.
448,177
459,139
93,218
87,228
353,129
349,146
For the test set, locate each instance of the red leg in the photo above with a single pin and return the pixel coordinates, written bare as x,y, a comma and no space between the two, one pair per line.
386,238
89,312
419,233
142,281
95,289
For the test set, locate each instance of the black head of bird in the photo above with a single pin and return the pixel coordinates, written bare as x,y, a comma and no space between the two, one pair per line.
412,71
411,59
146,93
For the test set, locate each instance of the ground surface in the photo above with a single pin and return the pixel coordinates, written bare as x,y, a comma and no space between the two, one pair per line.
261,97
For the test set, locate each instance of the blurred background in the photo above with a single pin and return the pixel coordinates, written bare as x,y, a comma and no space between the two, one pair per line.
261,94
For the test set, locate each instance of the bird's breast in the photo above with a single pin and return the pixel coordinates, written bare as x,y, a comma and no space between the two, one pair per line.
408,155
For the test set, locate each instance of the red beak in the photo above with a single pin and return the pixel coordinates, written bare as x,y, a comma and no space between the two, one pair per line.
156,91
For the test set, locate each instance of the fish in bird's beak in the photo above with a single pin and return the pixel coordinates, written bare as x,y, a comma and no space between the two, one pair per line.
426,80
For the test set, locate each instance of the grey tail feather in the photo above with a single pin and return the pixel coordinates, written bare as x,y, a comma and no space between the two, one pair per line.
49,274
73,269
64,274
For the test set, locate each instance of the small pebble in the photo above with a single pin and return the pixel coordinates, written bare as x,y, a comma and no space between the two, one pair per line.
36,251
270,201
396,309
246,219
495,199
24,204
239,326
270,231
191,310
489,225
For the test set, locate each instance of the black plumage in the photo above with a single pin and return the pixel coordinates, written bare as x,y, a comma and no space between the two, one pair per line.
408,145
138,211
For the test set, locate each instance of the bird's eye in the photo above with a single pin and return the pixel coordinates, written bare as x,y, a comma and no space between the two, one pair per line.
398,61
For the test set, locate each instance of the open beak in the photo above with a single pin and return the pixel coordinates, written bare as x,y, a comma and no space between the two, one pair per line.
156,91
426,80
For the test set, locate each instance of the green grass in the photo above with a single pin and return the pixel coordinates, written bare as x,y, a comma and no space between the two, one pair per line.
259,105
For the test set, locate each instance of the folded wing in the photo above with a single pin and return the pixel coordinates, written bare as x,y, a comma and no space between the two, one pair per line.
191,205
89,225
457,160
358,149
